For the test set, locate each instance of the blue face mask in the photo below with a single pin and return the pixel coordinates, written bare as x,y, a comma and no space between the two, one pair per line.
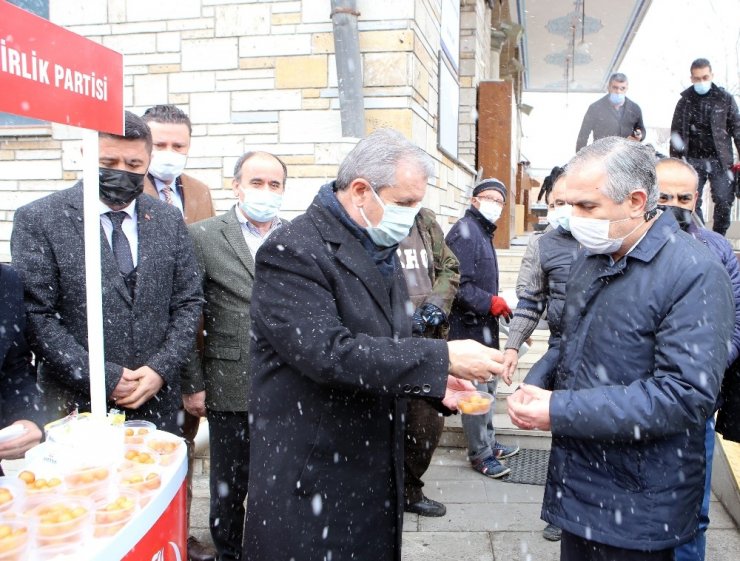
394,226
259,204
617,98
702,88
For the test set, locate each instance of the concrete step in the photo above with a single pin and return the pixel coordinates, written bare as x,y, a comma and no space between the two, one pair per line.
506,433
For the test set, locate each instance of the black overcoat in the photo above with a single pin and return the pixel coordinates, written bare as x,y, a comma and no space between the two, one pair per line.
332,360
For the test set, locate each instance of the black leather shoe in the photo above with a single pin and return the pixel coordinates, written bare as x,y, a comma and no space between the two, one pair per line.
426,507
199,551
552,533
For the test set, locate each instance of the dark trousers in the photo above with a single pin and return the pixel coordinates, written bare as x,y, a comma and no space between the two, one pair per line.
721,190
190,424
424,426
575,548
229,439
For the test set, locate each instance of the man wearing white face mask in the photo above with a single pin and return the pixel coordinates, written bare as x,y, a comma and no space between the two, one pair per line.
171,130
334,362
165,180
648,314
218,381
476,310
705,122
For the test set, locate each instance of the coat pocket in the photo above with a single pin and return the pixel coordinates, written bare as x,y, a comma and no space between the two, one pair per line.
220,352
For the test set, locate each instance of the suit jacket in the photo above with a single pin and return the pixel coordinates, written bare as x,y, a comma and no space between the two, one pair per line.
603,120
157,328
19,395
227,269
196,197
332,359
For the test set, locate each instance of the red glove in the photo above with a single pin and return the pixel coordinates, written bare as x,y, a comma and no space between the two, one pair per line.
499,307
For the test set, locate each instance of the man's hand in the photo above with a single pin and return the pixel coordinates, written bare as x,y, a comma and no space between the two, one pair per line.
17,447
126,385
455,385
149,383
511,359
500,308
529,407
195,403
472,361
636,135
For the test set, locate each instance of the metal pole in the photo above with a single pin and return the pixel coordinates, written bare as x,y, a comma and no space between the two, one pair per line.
349,66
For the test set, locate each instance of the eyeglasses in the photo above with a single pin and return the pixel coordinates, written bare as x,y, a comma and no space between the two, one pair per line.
499,202
681,197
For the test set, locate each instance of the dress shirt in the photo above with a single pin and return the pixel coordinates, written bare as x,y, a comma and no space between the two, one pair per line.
129,228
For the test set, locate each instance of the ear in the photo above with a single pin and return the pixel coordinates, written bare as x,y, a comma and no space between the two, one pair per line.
637,201
358,191
235,187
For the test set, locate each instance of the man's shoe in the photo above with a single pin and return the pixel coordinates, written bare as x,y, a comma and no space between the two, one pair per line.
491,467
199,551
426,507
552,533
501,451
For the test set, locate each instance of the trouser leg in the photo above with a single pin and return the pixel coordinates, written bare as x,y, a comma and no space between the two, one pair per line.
424,426
722,196
190,426
703,170
229,479
575,548
478,429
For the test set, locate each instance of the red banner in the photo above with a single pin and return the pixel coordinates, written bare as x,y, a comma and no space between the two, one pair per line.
49,73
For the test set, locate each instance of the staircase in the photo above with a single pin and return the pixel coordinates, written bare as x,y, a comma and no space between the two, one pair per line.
509,262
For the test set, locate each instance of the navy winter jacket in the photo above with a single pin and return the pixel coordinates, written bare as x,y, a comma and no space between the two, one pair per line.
637,374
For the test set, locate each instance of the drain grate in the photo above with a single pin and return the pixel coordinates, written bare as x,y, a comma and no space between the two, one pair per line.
528,467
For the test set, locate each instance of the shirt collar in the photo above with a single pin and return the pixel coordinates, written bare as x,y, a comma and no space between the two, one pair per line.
130,209
251,227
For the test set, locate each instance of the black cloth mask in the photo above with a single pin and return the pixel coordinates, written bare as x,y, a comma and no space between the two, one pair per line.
119,187
682,215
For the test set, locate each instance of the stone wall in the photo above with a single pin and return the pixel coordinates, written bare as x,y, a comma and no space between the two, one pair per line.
261,75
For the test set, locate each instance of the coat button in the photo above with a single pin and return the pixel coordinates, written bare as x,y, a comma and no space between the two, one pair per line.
417,389
426,388
407,388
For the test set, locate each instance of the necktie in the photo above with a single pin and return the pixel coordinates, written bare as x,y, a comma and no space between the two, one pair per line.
167,190
119,241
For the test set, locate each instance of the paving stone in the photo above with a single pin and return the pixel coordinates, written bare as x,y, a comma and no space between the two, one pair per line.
456,491
502,492
447,546
719,518
722,545
484,517
524,546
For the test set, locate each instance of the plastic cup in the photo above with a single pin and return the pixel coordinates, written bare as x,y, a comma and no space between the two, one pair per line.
16,536
113,510
165,445
135,431
12,494
62,521
40,484
474,402
145,480
139,454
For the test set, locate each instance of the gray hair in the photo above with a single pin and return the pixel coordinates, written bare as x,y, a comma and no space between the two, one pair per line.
618,77
247,155
375,159
628,164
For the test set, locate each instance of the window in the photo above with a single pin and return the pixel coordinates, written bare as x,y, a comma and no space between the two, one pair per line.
40,8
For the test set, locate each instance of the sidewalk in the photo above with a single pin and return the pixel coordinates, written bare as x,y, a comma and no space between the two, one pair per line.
487,520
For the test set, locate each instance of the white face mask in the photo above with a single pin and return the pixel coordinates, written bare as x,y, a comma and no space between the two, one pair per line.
260,205
593,234
166,165
560,216
395,224
491,211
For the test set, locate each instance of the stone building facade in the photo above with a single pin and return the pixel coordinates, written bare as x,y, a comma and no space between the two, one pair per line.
261,74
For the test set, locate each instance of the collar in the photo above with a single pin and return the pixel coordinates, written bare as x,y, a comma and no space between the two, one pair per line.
130,209
652,241
251,227
488,226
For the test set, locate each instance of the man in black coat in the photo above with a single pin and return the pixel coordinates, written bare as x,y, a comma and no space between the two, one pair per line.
612,115
19,406
152,296
333,361
705,122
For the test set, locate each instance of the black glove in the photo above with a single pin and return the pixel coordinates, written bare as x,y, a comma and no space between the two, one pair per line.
426,316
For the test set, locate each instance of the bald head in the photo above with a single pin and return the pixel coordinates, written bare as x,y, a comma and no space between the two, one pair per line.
677,182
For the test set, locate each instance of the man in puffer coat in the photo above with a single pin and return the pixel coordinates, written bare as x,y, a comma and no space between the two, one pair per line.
648,316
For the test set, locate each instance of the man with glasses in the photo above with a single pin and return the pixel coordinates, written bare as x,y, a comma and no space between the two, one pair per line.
705,122
678,182
612,115
476,310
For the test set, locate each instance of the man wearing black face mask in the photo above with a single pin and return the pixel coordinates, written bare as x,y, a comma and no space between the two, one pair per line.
678,184
151,288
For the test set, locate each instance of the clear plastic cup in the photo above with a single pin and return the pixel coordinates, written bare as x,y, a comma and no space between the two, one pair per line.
135,431
145,480
140,454
62,521
474,402
16,536
89,480
40,484
113,510
166,445
12,494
